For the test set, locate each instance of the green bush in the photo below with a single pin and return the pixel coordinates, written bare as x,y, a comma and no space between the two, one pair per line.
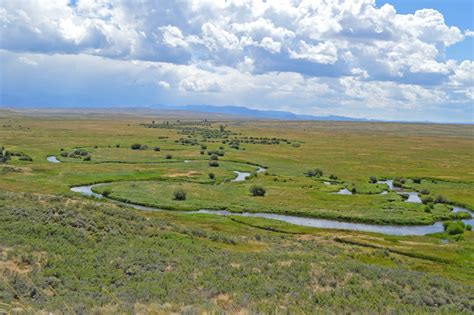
468,227
257,191
426,200
157,149
213,164
25,158
106,193
179,195
211,175
87,158
136,146
214,157
454,227
314,173
373,179
425,192
168,156
333,177
416,180
440,199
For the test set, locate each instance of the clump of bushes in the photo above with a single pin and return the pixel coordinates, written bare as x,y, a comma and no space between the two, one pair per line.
333,177
440,199
106,193
213,164
168,156
425,192
426,200
373,179
416,180
136,146
398,182
76,153
25,158
87,158
179,194
314,173
157,149
257,191
211,175
5,155
454,227
216,152
214,157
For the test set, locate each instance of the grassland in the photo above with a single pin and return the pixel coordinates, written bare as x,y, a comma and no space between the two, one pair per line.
52,241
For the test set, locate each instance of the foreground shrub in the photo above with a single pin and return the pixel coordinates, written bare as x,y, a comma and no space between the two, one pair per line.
179,195
257,191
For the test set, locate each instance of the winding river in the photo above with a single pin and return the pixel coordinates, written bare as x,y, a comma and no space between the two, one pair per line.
302,221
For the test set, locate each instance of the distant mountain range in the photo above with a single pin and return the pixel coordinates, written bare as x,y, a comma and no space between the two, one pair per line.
254,113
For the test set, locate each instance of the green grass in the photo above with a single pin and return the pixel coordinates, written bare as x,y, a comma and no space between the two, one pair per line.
59,251
76,256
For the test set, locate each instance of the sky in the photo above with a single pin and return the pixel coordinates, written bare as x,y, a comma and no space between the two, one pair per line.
384,59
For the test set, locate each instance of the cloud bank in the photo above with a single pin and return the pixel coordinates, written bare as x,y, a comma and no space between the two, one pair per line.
315,57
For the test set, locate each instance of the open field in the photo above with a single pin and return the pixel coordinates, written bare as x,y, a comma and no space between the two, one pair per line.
52,240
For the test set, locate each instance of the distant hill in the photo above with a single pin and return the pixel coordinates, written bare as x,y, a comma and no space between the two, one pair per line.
254,113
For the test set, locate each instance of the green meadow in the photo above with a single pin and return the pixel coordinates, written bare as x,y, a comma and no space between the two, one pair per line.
63,252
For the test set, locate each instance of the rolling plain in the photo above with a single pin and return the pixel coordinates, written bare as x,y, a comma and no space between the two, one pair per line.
61,251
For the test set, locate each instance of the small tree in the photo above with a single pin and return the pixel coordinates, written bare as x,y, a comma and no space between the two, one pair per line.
257,191
179,194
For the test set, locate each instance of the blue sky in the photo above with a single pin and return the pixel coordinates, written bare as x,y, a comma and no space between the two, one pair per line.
394,60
